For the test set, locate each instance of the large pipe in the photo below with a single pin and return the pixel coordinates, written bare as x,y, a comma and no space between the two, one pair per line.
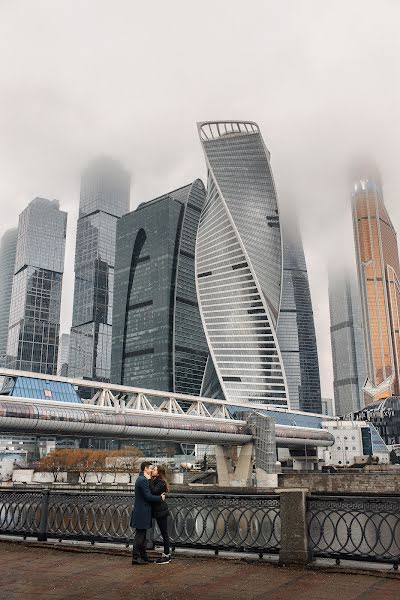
93,421
289,435
49,418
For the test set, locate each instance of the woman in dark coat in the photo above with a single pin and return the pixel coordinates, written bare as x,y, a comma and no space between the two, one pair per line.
160,511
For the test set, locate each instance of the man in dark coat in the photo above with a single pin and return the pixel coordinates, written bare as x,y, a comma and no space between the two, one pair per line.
141,514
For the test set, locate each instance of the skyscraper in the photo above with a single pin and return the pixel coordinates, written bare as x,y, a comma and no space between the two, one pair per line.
158,340
8,248
296,330
34,322
347,340
378,274
239,264
105,194
63,355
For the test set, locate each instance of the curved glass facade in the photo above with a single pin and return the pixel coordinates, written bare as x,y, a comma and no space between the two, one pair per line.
239,264
8,248
158,338
296,331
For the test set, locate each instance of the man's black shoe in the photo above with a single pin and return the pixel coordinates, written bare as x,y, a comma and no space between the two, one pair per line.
139,561
147,560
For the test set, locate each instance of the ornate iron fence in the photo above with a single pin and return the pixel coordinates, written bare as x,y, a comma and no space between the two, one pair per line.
215,521
355,528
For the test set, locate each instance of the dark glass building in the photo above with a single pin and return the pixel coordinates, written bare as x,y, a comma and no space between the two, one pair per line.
105,194
296,330
158,340
8,248
385,416
347,340
36,291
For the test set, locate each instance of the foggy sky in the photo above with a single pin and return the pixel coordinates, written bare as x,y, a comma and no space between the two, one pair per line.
130,79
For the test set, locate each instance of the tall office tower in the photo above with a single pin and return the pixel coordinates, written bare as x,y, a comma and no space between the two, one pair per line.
8,248
158,340
378,275
296,330
105,194
34,323
347,340
63,355
239,264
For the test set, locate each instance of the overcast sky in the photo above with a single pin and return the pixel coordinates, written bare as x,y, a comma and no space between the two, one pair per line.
131,78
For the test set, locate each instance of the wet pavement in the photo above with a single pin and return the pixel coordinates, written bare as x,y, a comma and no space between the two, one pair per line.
30,572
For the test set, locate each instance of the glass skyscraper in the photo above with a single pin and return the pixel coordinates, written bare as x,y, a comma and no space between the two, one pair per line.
347,340
8,248
239,264
296,330
105,196
63,355
158,340
378,275
34,322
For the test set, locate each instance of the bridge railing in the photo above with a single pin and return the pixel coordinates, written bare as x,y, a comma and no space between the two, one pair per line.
336,527
359,528
212,521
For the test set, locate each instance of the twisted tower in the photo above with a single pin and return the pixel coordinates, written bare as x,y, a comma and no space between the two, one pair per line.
239,264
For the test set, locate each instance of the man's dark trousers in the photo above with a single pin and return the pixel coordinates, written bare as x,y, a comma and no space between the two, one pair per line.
139,545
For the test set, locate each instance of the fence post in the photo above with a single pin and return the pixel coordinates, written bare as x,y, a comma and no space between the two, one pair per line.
44,512
294,527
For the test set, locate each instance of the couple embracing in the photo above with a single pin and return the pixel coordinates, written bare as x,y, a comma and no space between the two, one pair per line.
150,489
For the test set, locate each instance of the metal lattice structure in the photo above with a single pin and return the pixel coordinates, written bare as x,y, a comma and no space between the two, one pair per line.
127,412
357,528
263,428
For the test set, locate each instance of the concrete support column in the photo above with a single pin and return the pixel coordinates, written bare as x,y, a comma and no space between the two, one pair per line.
241,476
266,480
224,465
244,467
294,529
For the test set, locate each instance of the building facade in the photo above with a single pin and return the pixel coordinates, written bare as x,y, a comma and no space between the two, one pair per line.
158,340
105,197
239,264
8,248
378,275
347,341
63,355
296,330
385,416
34,322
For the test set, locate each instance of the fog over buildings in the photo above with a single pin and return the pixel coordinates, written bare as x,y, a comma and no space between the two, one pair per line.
130,80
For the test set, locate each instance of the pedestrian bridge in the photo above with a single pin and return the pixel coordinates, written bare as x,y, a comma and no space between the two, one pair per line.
51,405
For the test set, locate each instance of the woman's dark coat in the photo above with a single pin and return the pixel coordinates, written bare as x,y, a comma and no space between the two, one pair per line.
144,500
158,487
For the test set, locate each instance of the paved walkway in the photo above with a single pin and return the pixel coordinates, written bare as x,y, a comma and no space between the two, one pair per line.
45,573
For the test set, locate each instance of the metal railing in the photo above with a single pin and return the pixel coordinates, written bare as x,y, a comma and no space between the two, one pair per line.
213,521
352,527
339,527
